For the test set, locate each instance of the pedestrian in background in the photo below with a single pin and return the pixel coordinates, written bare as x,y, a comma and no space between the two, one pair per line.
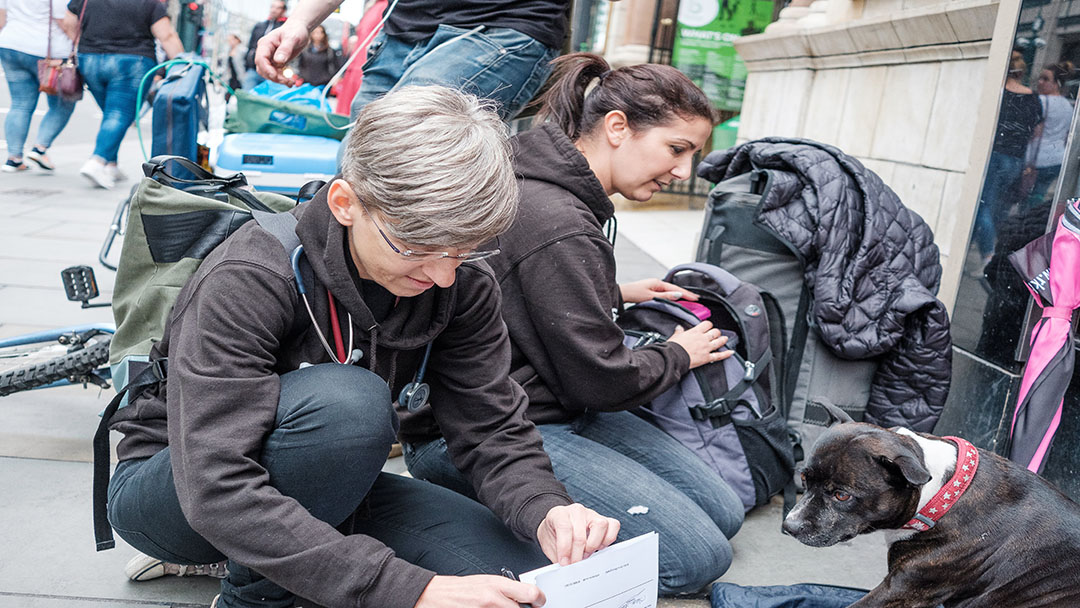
1047,148
1021,112
234,62
116,49
274,20
318,63
494,49
26,36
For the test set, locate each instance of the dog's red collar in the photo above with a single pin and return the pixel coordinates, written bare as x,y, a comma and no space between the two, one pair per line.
967,462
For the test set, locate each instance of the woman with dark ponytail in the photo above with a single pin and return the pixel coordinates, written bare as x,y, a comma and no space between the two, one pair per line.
631,131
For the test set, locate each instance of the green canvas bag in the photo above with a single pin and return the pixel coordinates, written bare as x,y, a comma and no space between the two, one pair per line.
261,114
173,222
176,216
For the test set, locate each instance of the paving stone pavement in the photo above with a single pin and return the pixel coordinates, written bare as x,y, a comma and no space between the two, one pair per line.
48,222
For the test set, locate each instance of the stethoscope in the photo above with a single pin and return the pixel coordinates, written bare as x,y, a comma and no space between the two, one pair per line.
413,395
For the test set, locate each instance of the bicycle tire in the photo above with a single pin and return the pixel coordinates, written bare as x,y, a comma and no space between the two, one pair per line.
71,364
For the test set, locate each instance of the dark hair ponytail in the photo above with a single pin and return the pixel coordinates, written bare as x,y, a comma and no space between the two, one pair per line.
649,94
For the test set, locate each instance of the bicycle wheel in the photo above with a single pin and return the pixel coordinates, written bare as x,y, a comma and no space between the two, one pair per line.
32,365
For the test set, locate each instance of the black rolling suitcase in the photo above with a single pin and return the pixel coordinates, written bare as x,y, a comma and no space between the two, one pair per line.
731,239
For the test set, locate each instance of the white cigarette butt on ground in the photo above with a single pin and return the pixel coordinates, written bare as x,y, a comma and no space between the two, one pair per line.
638,510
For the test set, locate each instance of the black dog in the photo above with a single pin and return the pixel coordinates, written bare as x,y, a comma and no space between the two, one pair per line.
969,528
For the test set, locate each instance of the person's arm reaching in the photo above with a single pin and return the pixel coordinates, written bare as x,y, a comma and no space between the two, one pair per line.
580,352
166,34
279,47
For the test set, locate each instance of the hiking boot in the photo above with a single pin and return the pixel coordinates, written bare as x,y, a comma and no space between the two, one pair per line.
14,166
94,170
39,157
144,568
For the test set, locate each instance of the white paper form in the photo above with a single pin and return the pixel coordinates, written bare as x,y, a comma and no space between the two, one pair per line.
623,575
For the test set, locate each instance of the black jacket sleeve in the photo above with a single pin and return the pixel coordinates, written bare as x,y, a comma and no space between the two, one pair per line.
564,301
481,412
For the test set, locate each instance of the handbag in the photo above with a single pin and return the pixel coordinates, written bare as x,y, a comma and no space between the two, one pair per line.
61,77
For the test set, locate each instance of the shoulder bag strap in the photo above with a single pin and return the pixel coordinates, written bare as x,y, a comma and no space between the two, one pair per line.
48,45
78,29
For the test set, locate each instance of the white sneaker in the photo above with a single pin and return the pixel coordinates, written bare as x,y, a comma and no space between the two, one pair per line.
114,172
144,568
95,171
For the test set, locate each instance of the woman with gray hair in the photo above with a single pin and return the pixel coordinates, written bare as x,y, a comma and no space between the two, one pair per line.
267,445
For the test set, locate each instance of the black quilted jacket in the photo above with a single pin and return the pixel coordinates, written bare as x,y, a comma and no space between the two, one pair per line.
871,265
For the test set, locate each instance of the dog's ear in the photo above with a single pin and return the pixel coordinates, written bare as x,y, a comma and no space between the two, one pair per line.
906,466
836,415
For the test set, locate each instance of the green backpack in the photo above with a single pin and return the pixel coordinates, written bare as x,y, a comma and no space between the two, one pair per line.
176,216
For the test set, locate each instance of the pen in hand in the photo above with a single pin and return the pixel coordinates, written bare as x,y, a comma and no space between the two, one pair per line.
510,575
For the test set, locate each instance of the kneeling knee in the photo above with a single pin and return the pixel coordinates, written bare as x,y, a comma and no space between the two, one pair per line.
341,397
699,562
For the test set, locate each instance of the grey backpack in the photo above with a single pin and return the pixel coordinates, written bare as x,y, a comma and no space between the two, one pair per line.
733,239
730,413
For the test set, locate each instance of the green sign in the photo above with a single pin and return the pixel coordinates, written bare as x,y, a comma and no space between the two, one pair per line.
704,44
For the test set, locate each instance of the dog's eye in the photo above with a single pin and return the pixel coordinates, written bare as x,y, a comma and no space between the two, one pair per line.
841,496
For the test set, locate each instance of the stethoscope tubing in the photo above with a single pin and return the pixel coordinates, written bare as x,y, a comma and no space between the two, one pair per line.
294,260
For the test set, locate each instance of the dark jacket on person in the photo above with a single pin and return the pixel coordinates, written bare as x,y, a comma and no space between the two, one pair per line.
316,66
239,323
259,30
557,274
870,263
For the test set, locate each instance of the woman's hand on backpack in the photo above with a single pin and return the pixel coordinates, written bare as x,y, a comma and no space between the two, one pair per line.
701,343
647,289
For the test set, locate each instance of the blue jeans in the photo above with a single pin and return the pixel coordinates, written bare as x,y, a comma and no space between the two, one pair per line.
1002,171
329,418
614,461
500,64
252,79
20,69
113,80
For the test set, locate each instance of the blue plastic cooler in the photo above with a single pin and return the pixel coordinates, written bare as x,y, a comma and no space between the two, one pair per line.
278,163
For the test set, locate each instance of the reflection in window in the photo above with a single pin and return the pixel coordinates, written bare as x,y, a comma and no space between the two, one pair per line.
1017,199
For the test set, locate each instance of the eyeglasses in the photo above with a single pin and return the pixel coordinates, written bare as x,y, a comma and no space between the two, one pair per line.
416,256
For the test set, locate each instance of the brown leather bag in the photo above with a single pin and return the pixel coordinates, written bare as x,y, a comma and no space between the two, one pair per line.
56,77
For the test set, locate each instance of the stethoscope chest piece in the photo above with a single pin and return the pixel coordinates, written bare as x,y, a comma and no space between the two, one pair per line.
414,395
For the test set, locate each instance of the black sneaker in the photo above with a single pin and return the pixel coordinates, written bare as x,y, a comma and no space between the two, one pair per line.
14,166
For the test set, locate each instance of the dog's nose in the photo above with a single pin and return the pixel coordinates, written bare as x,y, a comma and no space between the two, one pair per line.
793,526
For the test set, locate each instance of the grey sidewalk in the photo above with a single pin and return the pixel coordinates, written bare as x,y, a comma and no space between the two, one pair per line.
50,222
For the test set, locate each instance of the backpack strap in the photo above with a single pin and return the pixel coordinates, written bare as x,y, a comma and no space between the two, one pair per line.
308,190
281,225
157,169
721,406
152,375
727,281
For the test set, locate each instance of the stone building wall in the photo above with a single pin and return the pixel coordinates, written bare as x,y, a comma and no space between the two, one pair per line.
898,84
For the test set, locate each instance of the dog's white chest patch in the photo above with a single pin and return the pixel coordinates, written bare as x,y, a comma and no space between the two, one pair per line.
939,457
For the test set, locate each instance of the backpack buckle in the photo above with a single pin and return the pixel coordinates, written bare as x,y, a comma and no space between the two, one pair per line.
750,372
160,368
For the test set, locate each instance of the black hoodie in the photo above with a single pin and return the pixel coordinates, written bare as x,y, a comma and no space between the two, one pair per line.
239,323
557,275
